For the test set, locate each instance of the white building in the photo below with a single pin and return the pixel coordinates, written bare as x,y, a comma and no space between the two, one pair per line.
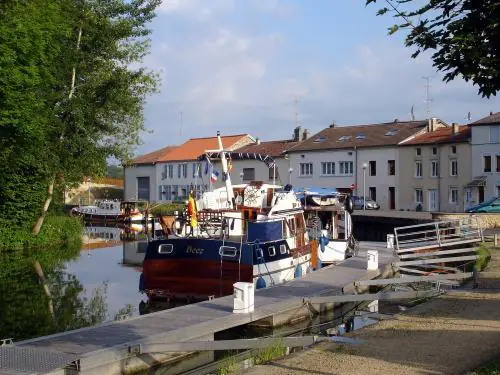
168,174
485,158
335,158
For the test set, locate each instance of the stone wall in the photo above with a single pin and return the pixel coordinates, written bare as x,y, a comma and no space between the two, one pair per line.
485,220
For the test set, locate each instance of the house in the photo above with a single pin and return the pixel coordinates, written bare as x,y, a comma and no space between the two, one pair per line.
435,168
485,146
168,174
362,159
256,170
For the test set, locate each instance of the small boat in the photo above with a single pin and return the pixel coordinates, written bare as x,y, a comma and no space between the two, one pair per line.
251,232
108,211
328,220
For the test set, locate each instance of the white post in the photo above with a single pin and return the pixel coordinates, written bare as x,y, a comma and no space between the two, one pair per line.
229,186
364,186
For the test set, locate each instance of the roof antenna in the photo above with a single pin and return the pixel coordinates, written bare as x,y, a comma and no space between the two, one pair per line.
428,100
296,111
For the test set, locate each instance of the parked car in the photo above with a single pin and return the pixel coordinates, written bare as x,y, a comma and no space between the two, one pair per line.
490,205
359,202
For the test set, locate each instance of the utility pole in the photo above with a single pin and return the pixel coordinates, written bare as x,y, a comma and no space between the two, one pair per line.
428,100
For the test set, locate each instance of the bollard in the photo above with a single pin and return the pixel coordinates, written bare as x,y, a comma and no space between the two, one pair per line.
390,241
243,298
372,257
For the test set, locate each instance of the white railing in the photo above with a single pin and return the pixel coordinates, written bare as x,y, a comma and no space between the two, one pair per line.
437,234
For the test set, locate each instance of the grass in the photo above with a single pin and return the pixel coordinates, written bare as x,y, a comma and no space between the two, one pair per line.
271,352
227,366
492,368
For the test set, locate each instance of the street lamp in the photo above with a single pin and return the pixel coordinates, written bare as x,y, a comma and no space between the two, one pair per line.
365,165
290,170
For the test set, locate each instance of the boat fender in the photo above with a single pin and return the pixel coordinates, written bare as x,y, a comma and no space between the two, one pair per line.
348,205
323,241
298,272
261,283
141,283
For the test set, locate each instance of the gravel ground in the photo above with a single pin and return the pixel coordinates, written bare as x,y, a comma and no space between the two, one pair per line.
452,334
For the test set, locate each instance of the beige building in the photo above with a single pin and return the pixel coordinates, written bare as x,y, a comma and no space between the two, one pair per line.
434,170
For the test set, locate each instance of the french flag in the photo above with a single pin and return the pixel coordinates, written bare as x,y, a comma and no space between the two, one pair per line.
214,176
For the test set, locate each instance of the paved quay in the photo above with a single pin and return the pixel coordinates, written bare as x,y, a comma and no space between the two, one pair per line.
107,349
452,334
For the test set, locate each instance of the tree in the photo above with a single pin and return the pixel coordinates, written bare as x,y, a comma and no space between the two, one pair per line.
465,35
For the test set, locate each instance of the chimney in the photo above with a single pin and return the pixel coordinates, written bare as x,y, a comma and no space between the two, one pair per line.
491,113
305,134
257,140
433,122
454,128
396,119
332,125
296,133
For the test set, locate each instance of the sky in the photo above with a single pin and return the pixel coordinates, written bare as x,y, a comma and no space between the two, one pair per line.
263,66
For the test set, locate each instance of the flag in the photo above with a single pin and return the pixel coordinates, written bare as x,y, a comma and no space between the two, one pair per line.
214,176
191,209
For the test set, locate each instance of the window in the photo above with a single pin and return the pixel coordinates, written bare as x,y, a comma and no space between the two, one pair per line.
391,167
419,196
498,191
498,163
196,170
434,168
468,195
272,175
360,136
327,168
184,170
453,149
418,169
346,167
418,151
373,168
272,251
453,167
487,163
494,134
434,151
372,191
306,169
143,188
248,174
170,171
179,170
453,195
282,249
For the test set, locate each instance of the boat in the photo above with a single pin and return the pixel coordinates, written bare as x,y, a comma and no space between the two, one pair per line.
254,232
328,219
110,211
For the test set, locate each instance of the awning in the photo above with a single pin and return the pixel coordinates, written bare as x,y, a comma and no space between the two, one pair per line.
477,181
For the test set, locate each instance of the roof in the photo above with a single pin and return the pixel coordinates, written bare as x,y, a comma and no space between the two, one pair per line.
153,157
477,181
194,147
385,134
493,118
271,148
441,135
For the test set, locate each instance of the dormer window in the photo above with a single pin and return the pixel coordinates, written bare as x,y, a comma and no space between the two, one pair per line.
344,138
319,139
360,136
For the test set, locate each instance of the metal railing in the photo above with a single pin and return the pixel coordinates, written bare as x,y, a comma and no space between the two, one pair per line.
437,234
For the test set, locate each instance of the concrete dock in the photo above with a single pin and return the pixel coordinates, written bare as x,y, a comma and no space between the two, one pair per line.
115,348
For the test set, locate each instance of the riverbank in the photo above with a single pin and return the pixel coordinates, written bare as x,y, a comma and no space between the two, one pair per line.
452,334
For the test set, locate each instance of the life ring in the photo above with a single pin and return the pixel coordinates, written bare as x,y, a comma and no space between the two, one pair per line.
348,204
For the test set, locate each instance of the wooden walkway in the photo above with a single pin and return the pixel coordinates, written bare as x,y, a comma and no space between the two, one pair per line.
91,348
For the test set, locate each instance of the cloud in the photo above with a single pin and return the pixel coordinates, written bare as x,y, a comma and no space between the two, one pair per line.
225,73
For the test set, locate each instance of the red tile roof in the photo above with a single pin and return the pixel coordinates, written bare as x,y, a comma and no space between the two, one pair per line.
271,148
493,118
153,157
442,135
375,135
195,147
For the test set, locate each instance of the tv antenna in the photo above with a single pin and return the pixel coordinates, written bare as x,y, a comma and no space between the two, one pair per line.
296,111
428,99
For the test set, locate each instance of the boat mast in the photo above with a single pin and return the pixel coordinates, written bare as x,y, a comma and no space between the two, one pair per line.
229,186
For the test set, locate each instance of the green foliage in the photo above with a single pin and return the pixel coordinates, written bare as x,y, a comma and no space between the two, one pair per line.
268,354
165,209
72,91
115,171
227,366
484,254
492,368
465,35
